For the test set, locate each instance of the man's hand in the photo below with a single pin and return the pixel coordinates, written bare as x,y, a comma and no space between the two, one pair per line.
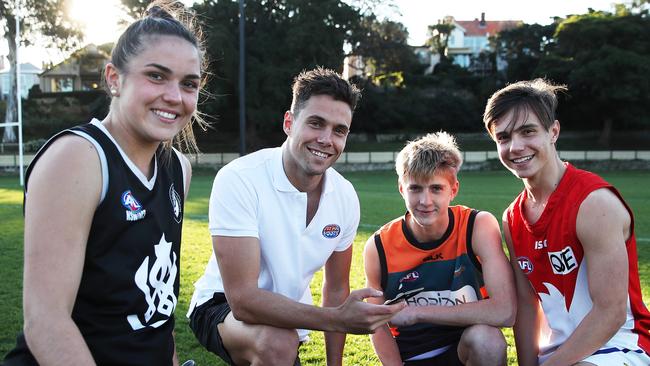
359,317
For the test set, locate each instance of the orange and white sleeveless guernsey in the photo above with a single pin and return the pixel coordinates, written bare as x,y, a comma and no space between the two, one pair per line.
447,268
551,256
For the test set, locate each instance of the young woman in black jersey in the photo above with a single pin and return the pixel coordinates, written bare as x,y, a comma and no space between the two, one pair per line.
104,208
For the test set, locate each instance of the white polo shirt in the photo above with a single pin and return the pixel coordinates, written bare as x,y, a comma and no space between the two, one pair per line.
252,196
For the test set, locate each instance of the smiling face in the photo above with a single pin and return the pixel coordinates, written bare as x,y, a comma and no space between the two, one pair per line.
525,147
158,92
316,137
427,200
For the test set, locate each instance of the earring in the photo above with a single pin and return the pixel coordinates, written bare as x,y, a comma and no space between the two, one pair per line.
113,92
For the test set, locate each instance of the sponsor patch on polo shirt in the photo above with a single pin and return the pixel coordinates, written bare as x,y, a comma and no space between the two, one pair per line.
331,231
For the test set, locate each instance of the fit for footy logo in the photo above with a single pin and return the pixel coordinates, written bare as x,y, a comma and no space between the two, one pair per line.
157,284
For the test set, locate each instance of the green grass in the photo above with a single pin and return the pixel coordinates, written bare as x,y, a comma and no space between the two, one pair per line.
380,202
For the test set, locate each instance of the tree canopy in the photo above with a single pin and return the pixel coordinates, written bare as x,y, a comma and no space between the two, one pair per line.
522,48
605,60
383,45
284,37
439,38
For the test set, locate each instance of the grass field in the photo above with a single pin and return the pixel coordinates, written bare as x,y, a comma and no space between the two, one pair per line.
380,202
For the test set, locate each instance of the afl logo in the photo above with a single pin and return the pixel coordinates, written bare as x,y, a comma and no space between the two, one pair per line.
525,264
410,277
331,231
129,202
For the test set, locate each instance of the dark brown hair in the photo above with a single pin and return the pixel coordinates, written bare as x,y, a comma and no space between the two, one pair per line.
538,96
321,81
167,18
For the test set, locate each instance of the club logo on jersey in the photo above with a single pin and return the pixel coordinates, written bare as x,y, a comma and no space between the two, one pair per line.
134,210
156,281
331,231
525,264
175,200
410,277
563,262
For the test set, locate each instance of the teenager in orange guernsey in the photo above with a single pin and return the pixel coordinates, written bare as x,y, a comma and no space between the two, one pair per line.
571,240
455,253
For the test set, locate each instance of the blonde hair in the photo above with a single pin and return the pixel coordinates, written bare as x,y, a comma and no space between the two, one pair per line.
422,158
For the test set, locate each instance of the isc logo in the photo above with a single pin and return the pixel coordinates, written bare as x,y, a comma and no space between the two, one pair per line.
540,244
563,262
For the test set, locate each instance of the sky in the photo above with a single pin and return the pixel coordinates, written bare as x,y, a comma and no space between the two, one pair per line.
415,14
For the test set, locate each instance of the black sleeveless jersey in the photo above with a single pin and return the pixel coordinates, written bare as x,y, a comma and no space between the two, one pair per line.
130,281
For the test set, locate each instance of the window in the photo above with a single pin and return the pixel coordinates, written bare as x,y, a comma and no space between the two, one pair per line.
63,84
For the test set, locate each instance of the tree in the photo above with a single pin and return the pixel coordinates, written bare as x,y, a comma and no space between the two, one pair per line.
384,48
522,48
135,8
439,38
283,37
605,59
43,20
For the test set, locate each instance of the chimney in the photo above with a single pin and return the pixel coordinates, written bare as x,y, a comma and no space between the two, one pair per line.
482,22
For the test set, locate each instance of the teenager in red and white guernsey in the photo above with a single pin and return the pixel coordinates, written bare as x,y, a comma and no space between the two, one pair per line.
571,240
276,217
104,209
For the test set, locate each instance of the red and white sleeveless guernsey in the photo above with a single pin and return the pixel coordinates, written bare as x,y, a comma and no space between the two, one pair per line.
551,256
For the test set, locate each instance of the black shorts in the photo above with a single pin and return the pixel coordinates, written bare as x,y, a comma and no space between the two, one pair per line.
204,321
447,358
20,355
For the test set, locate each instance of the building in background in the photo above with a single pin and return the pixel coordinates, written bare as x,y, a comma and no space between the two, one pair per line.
81,71
467,47
470,38
29,76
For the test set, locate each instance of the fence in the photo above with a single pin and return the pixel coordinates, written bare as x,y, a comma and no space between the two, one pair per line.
386,157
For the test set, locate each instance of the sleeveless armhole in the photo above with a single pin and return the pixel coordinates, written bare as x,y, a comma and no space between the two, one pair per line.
179,155
628,208
468,240
102,161
383,267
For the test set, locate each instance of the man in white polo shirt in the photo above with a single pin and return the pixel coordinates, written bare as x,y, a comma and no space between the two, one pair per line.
276,217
